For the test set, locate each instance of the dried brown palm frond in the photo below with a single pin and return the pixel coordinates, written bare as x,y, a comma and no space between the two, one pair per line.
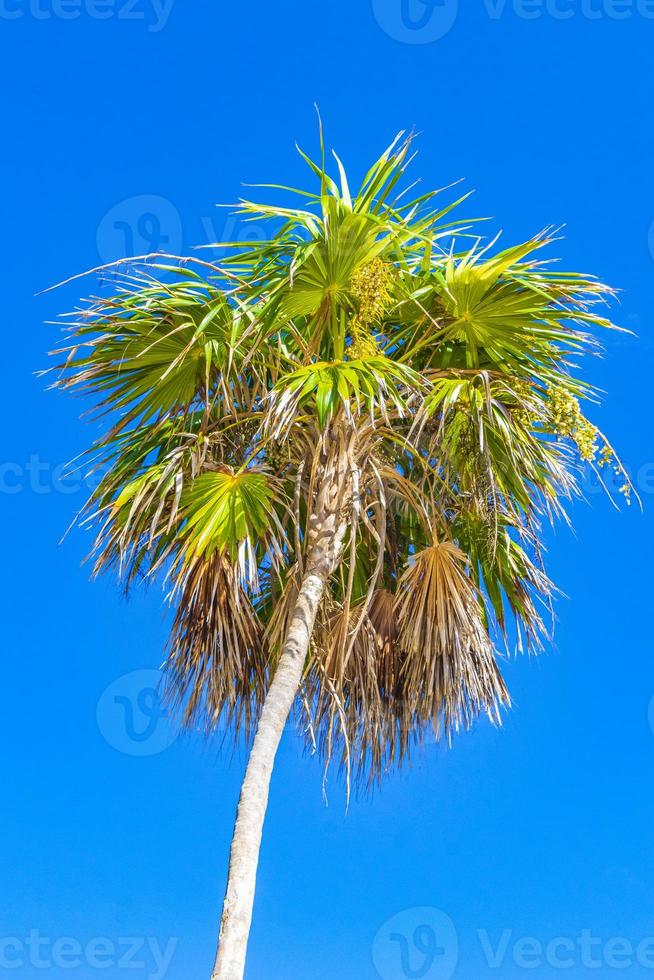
415,662
383,620
449,671
354,688
217,669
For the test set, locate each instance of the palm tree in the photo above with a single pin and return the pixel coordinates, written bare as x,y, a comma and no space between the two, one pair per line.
336,446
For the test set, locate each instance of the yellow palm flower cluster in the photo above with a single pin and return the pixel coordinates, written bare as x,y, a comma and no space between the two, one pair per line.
523,413
363,343
606,457
568,420
369,287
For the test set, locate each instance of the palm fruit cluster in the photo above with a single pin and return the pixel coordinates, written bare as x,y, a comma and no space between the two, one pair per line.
369,287
568,420
524,413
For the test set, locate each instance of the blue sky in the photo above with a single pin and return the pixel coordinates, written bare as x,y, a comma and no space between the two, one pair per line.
125,121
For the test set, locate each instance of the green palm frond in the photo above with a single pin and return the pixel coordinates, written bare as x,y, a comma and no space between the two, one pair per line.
155,348
367,384
227,513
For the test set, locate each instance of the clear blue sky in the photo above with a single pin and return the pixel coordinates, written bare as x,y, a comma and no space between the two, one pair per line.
126,124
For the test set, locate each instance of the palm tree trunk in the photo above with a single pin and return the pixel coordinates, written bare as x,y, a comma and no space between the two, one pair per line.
244,854
325,538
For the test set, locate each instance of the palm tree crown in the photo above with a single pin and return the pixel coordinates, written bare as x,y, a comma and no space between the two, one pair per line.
374,361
